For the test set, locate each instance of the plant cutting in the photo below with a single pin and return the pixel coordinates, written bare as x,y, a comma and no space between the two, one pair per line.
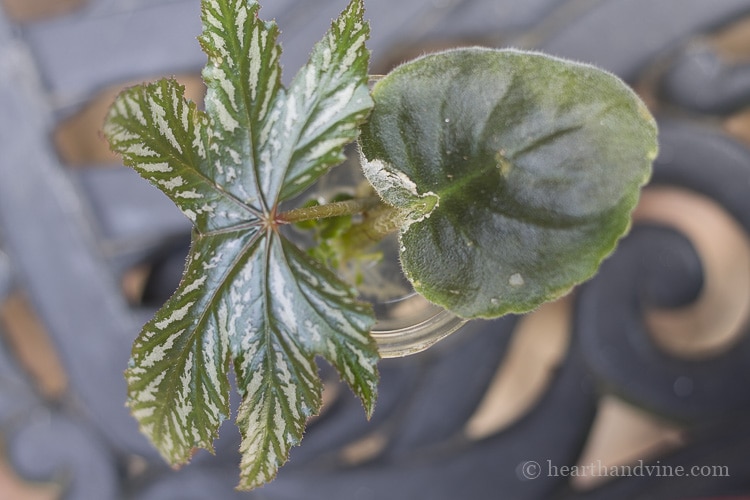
507,175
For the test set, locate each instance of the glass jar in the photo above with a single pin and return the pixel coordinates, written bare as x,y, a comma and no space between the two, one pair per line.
407,323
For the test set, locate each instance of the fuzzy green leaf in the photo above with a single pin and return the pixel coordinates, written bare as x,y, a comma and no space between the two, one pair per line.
248,296
516,172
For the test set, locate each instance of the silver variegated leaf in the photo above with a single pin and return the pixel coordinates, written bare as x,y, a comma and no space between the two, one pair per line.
303,312
248,296
327,99
177,378
243,80
168,141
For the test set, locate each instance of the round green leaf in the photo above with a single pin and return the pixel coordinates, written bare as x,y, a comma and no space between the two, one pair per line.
516,173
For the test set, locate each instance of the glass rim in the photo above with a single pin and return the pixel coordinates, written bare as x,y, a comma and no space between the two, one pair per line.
399,341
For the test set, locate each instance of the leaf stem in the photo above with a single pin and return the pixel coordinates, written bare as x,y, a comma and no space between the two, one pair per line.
335,209
378,223
378,219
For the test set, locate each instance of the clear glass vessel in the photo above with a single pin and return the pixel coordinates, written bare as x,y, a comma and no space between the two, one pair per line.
407,323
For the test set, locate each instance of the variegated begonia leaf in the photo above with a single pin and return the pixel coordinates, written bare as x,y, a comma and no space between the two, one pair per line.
248,296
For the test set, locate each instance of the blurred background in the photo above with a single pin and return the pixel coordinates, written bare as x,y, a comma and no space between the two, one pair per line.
646,364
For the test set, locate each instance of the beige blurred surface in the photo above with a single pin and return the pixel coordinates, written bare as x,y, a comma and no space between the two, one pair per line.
23,11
